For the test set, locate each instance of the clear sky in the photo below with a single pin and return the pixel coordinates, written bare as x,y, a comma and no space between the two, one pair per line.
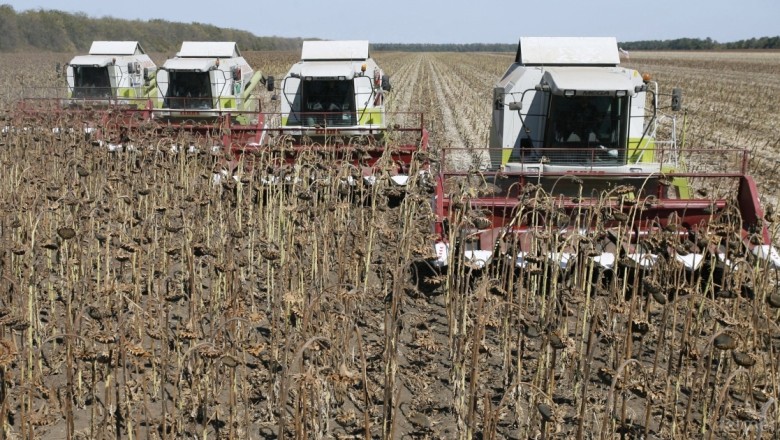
453,21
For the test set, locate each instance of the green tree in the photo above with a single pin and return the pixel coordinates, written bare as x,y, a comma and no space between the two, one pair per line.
8,29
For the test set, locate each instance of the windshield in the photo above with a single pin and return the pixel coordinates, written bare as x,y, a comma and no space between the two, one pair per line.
587,121
189,90
328,102
91,82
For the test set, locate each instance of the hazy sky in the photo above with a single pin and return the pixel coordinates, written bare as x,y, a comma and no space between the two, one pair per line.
453,21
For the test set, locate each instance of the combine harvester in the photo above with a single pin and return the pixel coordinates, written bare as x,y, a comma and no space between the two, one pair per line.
336,89
115,73
580,177
333,103
104,88
209,90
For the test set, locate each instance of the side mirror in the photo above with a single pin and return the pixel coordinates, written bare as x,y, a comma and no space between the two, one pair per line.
676,99
386,86
269,83
498,100
148,74
58,69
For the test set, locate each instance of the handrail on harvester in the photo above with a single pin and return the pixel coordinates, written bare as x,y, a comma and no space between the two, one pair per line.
725,162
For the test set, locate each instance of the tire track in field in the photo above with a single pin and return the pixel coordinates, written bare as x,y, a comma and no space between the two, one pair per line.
404,85
455,125
405,103
405,88
472,88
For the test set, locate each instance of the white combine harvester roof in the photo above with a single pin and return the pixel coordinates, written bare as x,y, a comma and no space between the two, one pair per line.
116,48
586,79
201,56
587,65
334,50
550,51
209,49
103,53
189,64
92,60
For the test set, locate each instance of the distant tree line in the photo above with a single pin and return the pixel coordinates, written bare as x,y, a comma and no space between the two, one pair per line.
702,44
57,31
676,44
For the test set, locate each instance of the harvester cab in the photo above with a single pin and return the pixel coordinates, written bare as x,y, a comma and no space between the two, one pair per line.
207,80
335,88
114,73
585,168
333,104
568,101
